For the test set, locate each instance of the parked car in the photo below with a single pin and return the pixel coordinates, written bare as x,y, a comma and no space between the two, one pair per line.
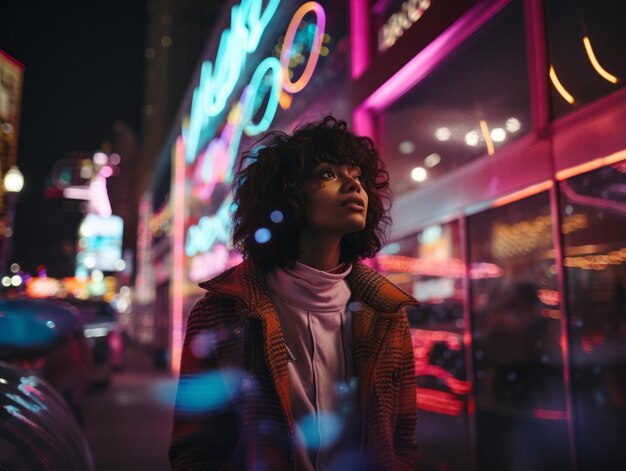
104,336
47,337
37,429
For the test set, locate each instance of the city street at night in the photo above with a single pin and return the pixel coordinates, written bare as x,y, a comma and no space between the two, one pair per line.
344,234
128,425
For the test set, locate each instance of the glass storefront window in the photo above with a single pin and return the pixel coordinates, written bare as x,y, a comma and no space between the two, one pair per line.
521,417
474,103
593,206
587,51
428,265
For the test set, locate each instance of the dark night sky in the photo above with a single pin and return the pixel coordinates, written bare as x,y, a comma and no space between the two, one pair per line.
83,71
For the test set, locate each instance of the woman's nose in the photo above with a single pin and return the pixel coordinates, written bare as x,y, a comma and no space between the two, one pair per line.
353,185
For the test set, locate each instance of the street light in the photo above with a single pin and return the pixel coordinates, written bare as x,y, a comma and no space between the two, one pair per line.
13,184
14,180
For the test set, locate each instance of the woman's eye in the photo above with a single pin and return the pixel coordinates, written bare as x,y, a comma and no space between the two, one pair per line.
327,174
358,177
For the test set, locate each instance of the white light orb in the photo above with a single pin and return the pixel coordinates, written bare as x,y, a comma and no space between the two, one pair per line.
100,158
443,134
498,134
472,138
14,180
419,174
406,147
512,125
432,160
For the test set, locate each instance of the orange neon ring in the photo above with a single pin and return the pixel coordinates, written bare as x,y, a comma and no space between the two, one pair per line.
298,85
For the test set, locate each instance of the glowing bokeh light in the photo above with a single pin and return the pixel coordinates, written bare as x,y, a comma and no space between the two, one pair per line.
406,147
262,235
472,138
498,134
319,430
276,216
419,174
432,160
512,124
16,280
100,158
208,392
443,134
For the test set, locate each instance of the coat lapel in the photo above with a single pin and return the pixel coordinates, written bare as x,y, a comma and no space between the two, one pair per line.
246,283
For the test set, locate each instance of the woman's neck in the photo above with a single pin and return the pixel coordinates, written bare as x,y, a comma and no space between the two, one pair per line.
319,251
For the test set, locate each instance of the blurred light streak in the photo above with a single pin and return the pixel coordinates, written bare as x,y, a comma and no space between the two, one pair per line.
525,193
178,253
451,268
298,85
591,165
549,297
592,201
549,414
439,402
487,137
596,65
560,88
359,37
209,392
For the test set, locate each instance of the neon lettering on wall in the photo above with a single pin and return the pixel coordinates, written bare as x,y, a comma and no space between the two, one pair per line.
410,12
216,163
217,81
435,400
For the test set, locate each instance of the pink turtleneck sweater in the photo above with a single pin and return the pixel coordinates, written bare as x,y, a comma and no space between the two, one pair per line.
317,325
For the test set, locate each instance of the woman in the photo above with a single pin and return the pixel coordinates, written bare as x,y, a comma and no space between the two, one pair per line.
301,356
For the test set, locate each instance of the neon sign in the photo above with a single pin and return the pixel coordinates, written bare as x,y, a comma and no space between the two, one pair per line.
217,81
269,82
410,12
434,400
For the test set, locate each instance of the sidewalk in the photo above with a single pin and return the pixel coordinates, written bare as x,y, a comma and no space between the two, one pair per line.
128,425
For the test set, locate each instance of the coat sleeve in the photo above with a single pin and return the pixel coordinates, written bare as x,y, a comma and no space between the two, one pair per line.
406,450
205,431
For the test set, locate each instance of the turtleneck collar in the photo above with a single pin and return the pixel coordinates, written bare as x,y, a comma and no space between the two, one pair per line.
311,289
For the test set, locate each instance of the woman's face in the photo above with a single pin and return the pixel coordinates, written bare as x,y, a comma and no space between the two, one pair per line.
340,204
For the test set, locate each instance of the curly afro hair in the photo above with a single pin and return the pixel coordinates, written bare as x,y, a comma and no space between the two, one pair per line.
272,178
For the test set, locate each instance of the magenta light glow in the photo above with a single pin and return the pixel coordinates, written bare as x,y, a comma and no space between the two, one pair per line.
359,34
431,56
178,253
298,85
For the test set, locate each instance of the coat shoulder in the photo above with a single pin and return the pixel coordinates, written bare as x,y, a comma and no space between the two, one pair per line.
373,288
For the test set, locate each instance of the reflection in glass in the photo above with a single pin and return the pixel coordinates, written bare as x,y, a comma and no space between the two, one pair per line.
520,397
586,51
595,273
474,103
428,265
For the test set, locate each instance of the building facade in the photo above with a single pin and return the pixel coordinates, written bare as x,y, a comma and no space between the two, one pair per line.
501,124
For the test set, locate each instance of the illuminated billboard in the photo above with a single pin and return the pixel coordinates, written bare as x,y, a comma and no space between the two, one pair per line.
100,244
11,73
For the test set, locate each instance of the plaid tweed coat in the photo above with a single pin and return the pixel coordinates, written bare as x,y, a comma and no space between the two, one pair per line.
239,416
